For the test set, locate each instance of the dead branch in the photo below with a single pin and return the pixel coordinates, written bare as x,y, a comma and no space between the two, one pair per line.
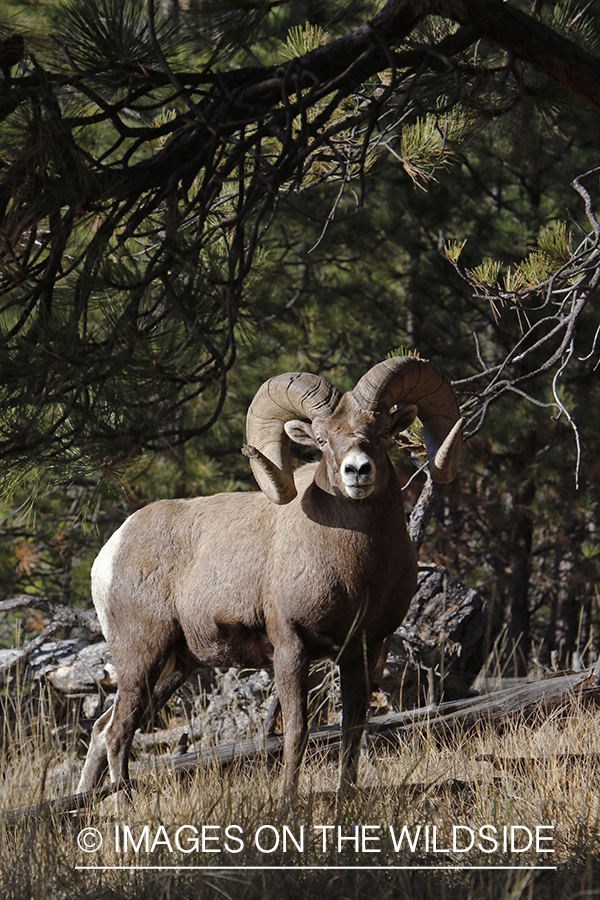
61,617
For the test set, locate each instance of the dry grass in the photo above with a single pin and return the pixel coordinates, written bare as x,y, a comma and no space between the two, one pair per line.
542,774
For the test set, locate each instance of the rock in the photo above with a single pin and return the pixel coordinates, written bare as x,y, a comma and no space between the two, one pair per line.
237,706
442,638
90,666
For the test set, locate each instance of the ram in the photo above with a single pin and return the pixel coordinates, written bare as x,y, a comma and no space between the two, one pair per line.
317,564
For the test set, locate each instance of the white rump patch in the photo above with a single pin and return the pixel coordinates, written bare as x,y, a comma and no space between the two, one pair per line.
102,574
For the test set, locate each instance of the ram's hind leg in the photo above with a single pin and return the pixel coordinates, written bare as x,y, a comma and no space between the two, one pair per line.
130,705
136,704
164,690
96,760
138,699
356,678
112,736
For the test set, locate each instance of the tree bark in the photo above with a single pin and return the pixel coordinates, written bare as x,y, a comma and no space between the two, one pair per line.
517,610
568,611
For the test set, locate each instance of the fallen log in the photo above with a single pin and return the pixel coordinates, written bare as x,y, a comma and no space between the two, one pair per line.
538,697
59,805
498,708
443,630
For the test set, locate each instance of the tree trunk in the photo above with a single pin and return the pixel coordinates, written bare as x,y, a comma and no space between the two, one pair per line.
568,610
517,609
170,10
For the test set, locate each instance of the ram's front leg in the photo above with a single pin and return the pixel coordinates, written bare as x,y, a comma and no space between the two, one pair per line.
290,664
356,678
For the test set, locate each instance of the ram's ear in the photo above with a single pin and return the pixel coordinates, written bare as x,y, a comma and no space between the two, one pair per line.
403,418
300,432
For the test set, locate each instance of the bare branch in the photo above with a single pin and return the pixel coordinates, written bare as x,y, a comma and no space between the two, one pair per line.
62,616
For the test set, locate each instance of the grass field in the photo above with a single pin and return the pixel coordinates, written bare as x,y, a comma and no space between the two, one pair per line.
431,819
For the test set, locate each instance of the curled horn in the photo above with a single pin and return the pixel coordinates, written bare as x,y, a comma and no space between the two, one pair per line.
295,395
408,380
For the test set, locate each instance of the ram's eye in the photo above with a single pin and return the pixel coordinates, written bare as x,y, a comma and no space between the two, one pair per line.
321,441
385,433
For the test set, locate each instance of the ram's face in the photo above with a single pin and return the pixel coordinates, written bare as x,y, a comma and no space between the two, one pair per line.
354,452
354,447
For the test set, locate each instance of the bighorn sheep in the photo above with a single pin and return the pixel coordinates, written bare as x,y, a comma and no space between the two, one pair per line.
315,565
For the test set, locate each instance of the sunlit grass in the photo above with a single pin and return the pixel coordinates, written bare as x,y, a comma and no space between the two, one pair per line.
175,835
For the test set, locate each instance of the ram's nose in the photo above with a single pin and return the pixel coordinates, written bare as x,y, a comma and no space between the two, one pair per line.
358,475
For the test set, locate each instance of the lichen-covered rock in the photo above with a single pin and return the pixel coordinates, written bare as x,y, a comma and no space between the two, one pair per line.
440,646
236,708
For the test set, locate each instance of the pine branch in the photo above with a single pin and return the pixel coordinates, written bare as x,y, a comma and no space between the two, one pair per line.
192,192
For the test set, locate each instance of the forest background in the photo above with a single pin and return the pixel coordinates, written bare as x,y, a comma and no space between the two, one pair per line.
195,196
